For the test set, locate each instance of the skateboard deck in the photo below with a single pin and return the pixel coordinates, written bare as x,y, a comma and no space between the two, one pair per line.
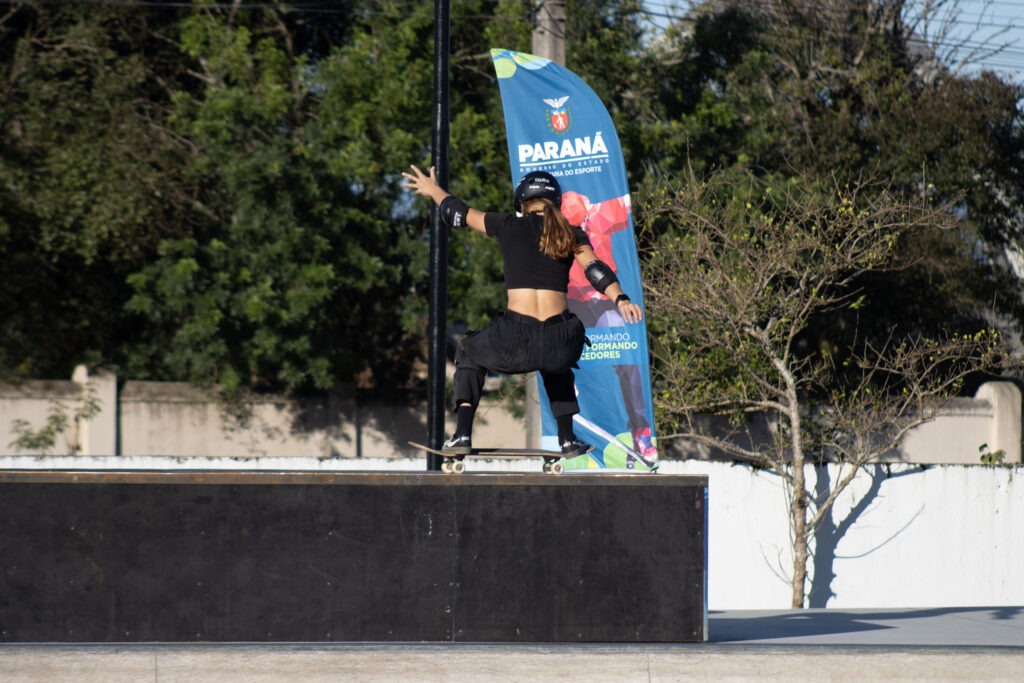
453,462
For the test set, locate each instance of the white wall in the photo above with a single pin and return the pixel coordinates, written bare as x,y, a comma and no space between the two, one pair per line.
903,536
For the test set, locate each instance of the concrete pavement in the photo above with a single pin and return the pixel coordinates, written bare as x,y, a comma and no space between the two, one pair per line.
952,627
983,644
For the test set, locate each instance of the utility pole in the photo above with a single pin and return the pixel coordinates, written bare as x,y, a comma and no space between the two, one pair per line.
549,31
548,42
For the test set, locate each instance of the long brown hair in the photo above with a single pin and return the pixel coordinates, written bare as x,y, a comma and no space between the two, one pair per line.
559,238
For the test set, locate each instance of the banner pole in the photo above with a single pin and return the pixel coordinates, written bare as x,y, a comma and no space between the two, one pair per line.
438,294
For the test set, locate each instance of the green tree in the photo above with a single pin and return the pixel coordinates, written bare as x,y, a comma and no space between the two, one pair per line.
213,193
308,266
293,278
84,167
847,94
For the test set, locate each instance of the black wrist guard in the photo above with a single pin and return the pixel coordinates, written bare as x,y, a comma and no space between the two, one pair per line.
622,297
453,211
600,275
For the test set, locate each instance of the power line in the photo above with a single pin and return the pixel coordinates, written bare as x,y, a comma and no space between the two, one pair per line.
995,41
983,19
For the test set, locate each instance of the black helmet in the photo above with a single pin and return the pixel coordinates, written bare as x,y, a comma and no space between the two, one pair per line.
538,184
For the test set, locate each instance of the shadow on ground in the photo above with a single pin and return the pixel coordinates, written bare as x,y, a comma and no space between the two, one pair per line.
733,626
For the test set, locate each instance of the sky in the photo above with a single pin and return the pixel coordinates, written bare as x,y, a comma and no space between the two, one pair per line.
977,28
1001,22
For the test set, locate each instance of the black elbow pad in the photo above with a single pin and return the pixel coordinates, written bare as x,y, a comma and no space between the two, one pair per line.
600,275
454,211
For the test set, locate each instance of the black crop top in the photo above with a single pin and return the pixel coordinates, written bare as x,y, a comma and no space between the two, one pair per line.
525,266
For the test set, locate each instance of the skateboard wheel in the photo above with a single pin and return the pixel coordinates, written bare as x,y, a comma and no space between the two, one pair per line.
458,467
446,467
556,468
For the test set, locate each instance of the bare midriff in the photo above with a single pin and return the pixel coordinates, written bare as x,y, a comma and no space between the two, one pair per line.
537,303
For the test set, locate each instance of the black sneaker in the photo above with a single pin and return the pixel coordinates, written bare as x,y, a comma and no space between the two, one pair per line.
459,445
574,447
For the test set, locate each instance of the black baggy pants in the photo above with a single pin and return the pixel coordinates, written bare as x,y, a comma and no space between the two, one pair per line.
515,344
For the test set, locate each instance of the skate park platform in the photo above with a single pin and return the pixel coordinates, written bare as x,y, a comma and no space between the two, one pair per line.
162,556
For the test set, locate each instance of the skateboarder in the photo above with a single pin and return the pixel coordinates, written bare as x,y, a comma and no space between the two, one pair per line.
536,332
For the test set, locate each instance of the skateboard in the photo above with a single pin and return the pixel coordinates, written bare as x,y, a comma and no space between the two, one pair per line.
453,462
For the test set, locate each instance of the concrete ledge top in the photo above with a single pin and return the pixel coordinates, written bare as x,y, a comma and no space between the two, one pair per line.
206,477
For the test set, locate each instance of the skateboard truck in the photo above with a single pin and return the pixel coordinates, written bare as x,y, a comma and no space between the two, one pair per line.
454,463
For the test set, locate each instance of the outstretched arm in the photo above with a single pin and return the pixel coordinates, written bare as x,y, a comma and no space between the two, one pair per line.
609,286
426,185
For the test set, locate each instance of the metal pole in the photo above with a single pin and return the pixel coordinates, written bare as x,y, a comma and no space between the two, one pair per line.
437,324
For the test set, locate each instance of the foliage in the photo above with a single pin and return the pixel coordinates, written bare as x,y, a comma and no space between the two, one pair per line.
291,260
987,457
59,419
212,194
850,94
84,192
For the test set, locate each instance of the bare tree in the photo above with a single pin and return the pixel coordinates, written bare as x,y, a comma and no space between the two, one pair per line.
736,276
